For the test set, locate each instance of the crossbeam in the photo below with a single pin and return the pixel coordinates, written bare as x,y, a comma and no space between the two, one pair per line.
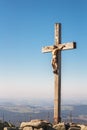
67,46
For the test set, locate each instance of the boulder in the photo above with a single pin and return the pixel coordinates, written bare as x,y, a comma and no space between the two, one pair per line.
36,124
10,128
74,128
83,127
30,128
60,126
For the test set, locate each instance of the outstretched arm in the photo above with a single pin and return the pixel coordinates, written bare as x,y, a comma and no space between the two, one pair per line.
61,47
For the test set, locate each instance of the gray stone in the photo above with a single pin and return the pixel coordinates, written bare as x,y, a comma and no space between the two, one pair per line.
9,128
60,126
27,128
74,128
83,127
36,125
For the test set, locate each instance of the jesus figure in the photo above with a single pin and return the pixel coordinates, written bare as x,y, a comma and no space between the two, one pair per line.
54,61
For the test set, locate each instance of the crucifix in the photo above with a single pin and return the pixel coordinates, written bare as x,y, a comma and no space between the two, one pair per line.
56,65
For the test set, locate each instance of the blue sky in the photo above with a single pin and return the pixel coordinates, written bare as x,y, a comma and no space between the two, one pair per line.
28,25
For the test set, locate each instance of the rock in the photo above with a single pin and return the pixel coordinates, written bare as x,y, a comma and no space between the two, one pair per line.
60,126
83,127
36,124
74,128
10,128
30,128
27,128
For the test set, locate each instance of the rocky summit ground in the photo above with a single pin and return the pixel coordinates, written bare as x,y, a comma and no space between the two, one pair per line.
44,125
38,124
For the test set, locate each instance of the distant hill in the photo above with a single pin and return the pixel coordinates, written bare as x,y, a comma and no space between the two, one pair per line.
17,112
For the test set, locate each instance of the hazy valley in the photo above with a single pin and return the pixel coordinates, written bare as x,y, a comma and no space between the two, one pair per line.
18,111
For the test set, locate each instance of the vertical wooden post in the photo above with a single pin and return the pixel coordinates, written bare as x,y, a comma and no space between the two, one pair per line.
57,78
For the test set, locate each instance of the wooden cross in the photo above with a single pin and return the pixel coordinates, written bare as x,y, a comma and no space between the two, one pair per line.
57,74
